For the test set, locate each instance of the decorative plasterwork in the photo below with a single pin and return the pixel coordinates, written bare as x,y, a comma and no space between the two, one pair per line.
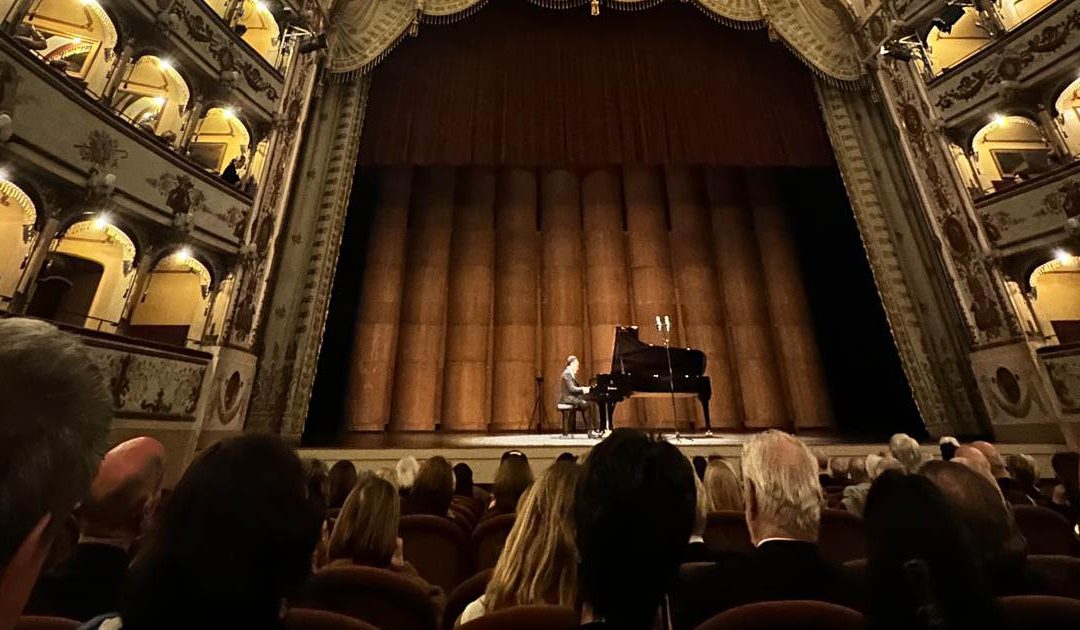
984,306
1035,210
1063,369
361,33
1027,52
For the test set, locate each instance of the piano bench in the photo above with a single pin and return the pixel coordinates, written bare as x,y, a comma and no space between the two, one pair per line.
569,421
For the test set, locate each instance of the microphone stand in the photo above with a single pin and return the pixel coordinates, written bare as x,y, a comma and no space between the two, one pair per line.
665,332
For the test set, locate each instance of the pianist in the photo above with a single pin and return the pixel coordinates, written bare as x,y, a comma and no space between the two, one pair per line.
570,392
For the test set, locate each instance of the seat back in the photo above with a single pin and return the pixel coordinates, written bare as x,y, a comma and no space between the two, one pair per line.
526,618
841,537
466,593
786,615
725,530
437,547
378,596
488,540
1044,612
311,619
1046,531
1058,575
33,622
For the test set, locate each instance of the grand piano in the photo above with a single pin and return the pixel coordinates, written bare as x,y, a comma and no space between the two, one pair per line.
641,369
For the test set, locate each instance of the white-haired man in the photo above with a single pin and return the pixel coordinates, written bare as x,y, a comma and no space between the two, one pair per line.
906,450
783,501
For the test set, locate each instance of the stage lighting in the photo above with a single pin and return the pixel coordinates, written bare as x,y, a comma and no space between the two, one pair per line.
184,254
1062,256
948,17
101,221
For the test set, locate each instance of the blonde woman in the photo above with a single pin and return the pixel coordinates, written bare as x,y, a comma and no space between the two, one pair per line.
538,565
366,534
723,487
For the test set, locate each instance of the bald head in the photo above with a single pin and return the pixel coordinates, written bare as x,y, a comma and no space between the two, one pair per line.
973,458
127,483
993,458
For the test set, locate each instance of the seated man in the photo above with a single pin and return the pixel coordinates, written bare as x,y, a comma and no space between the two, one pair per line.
783,513
122,499
55,417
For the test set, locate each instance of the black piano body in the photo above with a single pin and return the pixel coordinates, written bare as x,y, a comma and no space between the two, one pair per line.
641,369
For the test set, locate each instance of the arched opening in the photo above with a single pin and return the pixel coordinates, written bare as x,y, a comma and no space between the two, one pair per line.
153,97
94,260
257,26
1013,12
219,6
1067,107
75,36
1055,291
1008,151
220,138
173,307
967,37
18,217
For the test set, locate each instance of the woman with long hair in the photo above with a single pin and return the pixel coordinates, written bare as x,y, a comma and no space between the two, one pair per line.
366,534
538,565
723,487
433,489
511,480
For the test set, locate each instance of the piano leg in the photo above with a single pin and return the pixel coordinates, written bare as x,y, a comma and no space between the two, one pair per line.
705,412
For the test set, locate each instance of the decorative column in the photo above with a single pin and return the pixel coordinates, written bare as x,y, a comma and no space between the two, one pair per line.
514,367
792,325
562,306
701,310
191,122
418,377
606,277
466,397
745,303
119,72
34,262
650,275
139,285
371,375
1053,134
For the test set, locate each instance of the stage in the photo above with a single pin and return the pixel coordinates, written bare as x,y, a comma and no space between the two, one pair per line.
483,451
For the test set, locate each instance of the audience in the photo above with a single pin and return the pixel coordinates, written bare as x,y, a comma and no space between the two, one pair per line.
406,469
988,521
783,501
511,480
922,571
974,459
905,449
1026,474
433,489
840,466
117,511
700,465
948,445
696,549
366,534
722,487
233,541
464,486
341,479
538,565
854,496
1066,496
318,483
633,514
1008,486
50,447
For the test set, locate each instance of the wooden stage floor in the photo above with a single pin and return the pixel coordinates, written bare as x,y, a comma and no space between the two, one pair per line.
483,451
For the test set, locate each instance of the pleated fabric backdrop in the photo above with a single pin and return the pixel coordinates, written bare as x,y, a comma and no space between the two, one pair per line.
480,279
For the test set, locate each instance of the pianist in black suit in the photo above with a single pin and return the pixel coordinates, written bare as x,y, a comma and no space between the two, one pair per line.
570,392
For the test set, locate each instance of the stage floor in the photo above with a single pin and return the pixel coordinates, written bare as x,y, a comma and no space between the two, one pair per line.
483,451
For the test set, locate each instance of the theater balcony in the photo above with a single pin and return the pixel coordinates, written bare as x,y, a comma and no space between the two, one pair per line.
1034,214
1062,365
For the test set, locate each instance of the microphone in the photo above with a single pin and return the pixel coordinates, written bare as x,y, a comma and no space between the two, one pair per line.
667,323
659,325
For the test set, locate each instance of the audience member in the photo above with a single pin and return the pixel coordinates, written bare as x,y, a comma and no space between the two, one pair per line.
905,449
464,486
121,502
722,486
854,496
55,417
989,524
922,571
1026,473
841,467
538,565
234,539
697,550
700,464
974,459
318,483
857,470
824,478
433,489
341,479
1010,489
566,456
366,534
1066,497
511,480
783,513
948,445
406,469
634,512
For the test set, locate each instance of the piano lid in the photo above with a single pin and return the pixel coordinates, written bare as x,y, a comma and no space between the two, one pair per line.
631,355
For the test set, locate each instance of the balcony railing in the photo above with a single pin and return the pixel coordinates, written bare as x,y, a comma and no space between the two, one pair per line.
1062,365
1033,210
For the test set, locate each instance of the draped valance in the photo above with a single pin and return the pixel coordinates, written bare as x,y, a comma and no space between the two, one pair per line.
361,33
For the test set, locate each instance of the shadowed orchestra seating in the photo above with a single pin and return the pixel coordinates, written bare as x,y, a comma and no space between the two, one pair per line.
488,540
436,547
786,615
726,531
1046,531
526,618
841,537
465,593
1059,575
1040,611
377,596
31,622
309,619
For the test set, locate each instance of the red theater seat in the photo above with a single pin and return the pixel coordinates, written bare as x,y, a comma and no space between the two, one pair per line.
726,530
31,622
1046,531
841,537
488,540
1059,575
465,593
786,615
526,618
310,619
1044,612
380,597
437,547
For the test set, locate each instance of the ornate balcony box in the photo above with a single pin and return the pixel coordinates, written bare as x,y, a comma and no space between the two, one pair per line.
1033,213
1038,49
63,131
1062,365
